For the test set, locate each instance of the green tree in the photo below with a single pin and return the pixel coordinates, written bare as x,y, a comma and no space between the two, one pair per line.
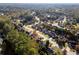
21,42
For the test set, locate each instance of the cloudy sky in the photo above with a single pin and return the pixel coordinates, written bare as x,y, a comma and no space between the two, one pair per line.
39,1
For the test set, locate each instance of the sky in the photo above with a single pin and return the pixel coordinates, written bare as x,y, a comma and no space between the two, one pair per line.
39,1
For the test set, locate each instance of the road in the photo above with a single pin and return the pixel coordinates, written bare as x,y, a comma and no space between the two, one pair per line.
40,34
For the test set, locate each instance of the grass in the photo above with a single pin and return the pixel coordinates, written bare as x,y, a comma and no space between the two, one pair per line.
3,18
57,51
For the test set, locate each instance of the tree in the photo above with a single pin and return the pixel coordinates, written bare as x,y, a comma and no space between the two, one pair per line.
16,42
21,42
47,43
5,27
